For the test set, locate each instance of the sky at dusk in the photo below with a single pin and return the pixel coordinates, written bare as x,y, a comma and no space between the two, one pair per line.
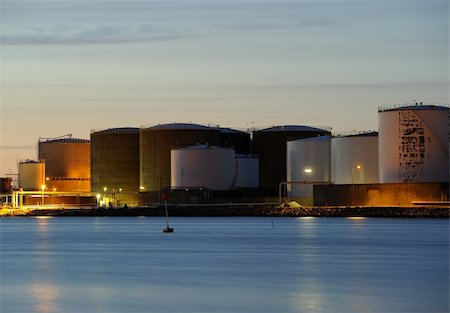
69,66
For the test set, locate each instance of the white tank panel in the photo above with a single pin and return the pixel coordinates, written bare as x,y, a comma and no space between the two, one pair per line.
414,145
308,160
203,167
247,172
354,158
31,175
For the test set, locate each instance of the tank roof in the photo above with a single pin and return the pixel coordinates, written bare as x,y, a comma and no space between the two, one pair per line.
413,106
65,140
29,162
181,126
317,138
201,147
117,130
230,130
293,128
370,133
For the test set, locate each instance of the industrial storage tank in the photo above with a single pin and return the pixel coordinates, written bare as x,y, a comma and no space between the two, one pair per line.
413,143
31,175
236,139
203,166
156,143
115,160
308,163
270,145
354,158
67,163
247,171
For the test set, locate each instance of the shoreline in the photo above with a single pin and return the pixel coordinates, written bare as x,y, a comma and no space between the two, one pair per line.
255,209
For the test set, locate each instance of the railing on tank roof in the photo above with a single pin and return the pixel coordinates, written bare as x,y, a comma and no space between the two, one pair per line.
281,127
411,104
355,133
116,130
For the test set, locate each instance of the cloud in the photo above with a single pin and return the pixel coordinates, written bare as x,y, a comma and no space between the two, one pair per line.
80,36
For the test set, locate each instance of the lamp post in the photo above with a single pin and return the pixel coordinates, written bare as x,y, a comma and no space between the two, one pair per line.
357,167
42,193
104,194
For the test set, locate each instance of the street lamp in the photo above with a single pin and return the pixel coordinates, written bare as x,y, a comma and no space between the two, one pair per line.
354,167
42,191
104,194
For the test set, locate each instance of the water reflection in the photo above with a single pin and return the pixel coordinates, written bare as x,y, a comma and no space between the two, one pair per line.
44,296
43,293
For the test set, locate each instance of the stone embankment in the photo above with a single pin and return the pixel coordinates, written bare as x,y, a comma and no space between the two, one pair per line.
239,210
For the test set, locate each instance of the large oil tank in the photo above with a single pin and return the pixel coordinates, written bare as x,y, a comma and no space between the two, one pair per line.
270,145
203,166
235,139
354,158
31,175
413,143
247,171
308,162
67,163
115,160
156,143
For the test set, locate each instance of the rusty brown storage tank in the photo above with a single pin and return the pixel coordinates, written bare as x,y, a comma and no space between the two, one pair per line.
156,143
236,139
115,159
270,145
67,164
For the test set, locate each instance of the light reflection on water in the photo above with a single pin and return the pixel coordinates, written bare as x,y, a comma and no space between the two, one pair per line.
224,265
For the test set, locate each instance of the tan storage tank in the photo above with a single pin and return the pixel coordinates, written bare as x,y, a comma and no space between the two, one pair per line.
413,143
115,160
156,143
31,175
67,163
270,145
247,171
203,166
308,161
354,158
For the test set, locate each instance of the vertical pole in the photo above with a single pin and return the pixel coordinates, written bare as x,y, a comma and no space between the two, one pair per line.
353,186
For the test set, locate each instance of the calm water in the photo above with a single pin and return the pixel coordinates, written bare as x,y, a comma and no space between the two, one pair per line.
115,264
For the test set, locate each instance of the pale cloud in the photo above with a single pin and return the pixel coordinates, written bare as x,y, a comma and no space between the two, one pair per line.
80,36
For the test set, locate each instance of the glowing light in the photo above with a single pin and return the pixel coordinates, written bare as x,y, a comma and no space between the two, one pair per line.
356,218
43,187
308,170
98,196
105,188
47,178
43,217
141,187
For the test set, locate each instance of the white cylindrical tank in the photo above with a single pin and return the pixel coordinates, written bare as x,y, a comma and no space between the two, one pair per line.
203,166
355,159
413,144
247,172
308,161
31,175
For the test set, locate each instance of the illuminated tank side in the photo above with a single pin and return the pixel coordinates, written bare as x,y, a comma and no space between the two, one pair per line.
115,160
308,160
354,159
67,163
31,175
